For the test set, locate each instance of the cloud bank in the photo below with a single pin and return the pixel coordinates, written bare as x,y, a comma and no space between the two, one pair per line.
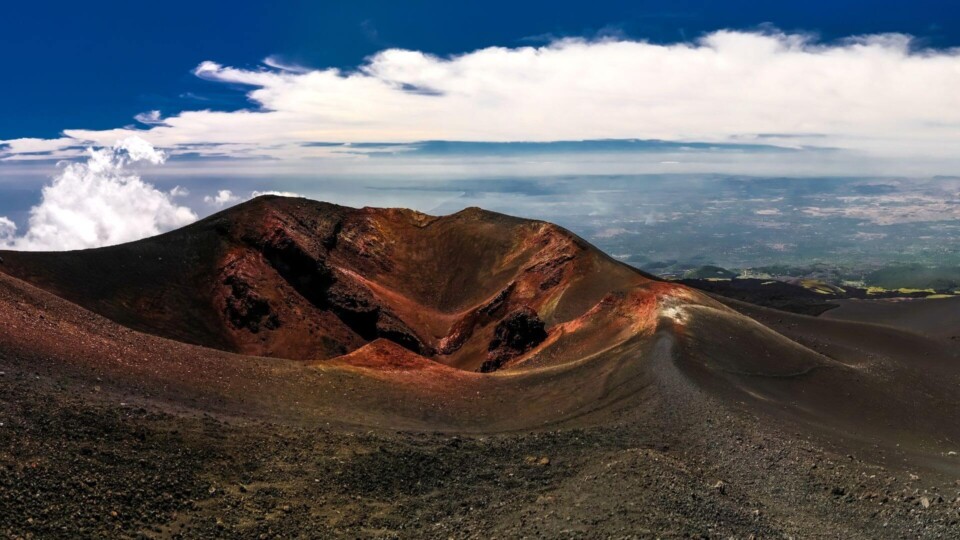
99,202
875,95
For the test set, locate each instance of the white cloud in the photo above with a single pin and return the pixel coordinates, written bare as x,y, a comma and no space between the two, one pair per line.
99,202
255,194
150,118
179,191
30,149
223,198
872,95
8,229
276,62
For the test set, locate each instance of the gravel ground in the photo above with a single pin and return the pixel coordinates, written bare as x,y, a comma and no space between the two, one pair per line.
79,462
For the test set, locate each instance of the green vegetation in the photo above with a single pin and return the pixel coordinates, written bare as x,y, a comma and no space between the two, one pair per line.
901,290
915,276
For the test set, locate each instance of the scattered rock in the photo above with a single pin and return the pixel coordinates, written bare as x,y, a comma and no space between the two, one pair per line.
720,487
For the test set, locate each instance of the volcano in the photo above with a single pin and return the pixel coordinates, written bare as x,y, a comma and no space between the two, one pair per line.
288,366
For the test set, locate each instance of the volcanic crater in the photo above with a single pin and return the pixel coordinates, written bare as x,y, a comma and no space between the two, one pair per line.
297,279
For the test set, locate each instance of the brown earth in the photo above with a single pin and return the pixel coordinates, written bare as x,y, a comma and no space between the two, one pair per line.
290,368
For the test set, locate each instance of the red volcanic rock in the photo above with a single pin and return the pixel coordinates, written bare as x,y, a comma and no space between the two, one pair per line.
516,334
304,280
383,355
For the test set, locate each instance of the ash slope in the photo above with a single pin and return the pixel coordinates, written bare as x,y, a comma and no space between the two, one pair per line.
300,314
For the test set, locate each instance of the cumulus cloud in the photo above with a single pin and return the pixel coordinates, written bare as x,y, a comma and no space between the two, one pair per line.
98,202
223,198
874,94
179,191
8,229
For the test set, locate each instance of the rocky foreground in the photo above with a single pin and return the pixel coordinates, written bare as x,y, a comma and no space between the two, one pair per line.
83,462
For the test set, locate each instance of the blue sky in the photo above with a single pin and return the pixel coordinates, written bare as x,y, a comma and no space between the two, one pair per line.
173,110
96,65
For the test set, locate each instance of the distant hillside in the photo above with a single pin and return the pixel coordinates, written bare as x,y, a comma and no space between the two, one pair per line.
915,276
709,272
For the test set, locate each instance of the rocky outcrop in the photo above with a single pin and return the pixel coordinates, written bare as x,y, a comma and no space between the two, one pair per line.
246,309
482,316
306,273
520,331
360,310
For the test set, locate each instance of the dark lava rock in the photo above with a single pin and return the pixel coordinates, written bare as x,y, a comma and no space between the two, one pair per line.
246,309
307,273
517,333
360,310
499,302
